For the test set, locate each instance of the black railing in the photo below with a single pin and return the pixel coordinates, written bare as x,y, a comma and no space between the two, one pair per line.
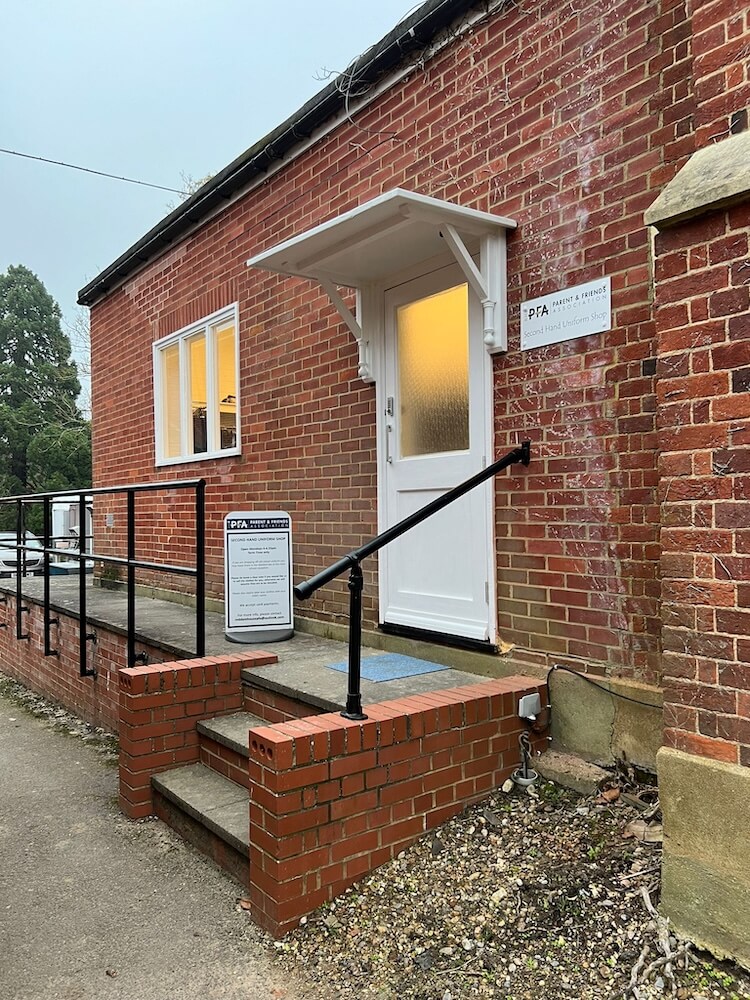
84,554
353,560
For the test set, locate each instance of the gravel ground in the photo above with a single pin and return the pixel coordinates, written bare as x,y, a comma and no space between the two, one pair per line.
62,721
518,897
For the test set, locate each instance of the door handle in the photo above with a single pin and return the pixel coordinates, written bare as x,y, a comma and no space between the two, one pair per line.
388,455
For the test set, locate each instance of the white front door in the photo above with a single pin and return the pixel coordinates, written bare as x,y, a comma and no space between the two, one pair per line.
434,434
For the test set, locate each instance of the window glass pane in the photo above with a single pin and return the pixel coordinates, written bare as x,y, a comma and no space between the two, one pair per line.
226,374
433,373
197,348
170,390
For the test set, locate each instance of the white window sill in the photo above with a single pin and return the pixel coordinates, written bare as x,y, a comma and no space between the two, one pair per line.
201,457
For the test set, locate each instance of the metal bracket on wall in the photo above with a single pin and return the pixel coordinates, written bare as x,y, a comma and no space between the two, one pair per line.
86,671
22,609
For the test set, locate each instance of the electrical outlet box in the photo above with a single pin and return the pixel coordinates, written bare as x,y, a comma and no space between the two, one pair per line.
529,707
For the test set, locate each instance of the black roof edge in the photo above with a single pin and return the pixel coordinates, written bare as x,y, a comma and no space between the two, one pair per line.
413,32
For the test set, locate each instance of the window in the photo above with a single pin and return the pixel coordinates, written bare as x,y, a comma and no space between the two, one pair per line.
195,391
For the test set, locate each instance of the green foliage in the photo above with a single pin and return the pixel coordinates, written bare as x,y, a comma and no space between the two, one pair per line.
45,444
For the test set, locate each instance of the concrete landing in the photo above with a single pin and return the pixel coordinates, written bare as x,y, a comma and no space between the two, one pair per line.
316,684
302,671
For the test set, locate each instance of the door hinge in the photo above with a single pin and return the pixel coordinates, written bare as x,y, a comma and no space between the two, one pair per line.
486,591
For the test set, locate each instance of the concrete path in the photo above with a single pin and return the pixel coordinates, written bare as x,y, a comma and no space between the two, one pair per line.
94,907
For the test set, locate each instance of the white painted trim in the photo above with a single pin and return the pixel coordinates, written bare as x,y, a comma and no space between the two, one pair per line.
464,260
205,327
376,220
213,318
203,457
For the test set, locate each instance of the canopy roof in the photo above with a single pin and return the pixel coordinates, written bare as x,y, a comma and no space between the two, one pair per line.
380,238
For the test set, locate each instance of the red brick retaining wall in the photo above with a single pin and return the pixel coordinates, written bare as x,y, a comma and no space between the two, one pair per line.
95,699
331,799
160,706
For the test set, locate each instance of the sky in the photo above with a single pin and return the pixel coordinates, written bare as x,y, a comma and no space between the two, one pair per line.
149,89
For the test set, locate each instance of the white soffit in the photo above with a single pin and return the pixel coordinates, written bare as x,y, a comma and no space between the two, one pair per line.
392,232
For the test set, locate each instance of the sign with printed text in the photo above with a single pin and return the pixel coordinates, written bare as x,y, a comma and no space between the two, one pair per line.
258,575
573,312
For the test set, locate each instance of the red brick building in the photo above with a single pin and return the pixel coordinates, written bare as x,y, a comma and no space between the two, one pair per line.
380,349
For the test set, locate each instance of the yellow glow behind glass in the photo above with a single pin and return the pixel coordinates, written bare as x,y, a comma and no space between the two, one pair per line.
433,373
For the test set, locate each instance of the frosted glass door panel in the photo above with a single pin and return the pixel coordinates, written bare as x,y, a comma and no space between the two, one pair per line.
433,373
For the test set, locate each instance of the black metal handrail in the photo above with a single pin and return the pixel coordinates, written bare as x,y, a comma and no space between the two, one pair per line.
84,555
353,560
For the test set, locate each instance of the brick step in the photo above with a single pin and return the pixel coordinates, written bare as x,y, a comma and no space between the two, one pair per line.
275,701
224,744
209,811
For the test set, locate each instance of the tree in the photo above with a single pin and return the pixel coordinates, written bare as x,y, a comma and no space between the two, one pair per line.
190,185
45,444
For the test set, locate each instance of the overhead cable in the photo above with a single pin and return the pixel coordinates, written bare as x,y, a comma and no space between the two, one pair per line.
89,170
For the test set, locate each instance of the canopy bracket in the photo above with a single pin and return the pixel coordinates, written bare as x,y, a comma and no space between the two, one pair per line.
485,280
364,369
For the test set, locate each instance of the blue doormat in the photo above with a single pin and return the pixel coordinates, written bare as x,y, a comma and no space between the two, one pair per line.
391,667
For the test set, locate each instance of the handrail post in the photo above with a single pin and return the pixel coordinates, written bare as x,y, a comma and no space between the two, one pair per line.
83,634
130,507
48,621
354,696
20,565
200,568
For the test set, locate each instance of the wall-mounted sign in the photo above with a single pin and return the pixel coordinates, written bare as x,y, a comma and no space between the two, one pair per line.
565,315
258,576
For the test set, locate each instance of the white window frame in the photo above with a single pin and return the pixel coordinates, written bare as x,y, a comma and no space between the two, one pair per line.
182,337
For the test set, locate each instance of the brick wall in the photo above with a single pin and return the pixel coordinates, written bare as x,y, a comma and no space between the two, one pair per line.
331,800
721,60
703,318
160,706
568,118
95,699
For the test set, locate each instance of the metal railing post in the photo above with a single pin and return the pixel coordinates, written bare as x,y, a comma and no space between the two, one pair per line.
354,695
130,586
83,634
47,516
20,563
200,568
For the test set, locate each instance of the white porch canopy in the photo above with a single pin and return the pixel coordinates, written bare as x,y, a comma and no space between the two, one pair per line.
397,231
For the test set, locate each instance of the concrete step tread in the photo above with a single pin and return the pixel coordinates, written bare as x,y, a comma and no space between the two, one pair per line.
216,802
231,730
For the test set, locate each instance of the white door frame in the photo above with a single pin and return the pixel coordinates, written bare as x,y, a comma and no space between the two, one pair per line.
373,301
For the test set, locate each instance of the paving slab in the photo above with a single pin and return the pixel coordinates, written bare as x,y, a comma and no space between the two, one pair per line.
571,771
314,682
